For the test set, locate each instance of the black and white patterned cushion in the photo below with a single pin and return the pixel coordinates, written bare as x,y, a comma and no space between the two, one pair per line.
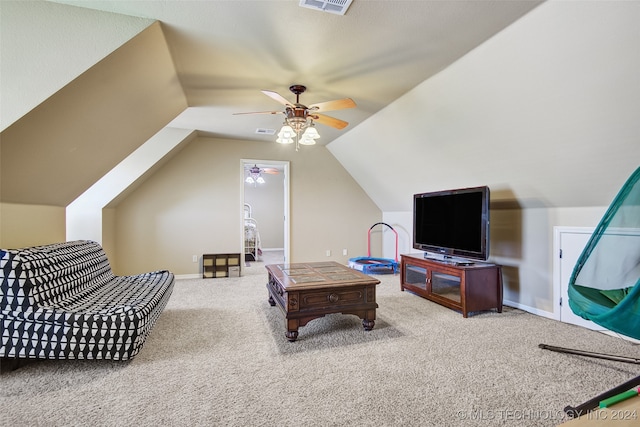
62,301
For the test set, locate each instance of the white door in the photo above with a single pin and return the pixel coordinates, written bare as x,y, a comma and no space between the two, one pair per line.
569,242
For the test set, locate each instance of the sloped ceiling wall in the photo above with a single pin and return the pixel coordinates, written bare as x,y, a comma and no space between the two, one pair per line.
46,45
545,113
60,148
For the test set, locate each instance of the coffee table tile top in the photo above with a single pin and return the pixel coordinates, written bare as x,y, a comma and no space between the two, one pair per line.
332,269
300,274
307,279
342,276
296,271
317,274
315,265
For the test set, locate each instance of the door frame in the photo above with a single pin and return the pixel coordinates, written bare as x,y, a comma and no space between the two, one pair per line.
558,286
560,289
285,165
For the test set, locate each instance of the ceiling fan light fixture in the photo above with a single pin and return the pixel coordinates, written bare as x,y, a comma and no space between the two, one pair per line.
298,126
286,135
311,132
254,175
309,136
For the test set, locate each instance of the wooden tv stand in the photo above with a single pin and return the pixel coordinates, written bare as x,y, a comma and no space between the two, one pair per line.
460,286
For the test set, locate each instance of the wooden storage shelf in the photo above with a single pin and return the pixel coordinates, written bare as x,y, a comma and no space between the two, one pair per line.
466,288
220,265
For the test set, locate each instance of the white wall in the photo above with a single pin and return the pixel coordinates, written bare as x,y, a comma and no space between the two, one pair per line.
42,37
521,242
84,214
192,205
545,113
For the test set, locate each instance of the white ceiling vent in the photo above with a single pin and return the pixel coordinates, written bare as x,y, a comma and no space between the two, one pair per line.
263,131
339,7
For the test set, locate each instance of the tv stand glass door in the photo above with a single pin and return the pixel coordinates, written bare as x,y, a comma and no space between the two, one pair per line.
445,286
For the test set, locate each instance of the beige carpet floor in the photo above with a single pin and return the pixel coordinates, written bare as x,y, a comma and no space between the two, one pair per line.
218,357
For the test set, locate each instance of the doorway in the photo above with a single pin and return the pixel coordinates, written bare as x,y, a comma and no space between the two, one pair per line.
265,235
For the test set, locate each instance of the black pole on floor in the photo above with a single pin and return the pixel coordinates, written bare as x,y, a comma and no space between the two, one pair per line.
591,354
576,411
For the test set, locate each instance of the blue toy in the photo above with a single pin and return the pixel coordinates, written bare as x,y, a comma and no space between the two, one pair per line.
371,265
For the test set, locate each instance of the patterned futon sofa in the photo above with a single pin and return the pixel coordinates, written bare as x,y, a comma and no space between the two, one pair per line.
62,301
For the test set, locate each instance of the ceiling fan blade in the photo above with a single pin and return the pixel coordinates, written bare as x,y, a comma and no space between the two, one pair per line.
260,112
276,97
272,171
338,104
329,121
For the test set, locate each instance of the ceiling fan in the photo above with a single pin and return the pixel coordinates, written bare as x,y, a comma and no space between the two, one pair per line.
299,117
257,170
254,174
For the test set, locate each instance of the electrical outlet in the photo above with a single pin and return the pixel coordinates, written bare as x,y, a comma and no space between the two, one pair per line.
344,252
194,258
328,252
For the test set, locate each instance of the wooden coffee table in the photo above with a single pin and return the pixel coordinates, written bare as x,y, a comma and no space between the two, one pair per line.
307,291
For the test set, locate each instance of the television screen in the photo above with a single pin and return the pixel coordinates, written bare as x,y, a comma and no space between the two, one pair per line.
452,222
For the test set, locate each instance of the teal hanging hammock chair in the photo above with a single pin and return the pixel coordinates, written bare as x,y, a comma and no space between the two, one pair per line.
605,284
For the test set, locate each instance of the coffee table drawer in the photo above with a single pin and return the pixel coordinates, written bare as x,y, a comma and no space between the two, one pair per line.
333,298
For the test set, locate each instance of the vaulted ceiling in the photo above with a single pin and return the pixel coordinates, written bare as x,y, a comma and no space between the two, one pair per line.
225,52
210,60
202,61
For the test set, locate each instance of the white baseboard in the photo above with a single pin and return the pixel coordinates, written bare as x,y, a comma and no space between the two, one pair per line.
532,310
188,276
551,316
617,335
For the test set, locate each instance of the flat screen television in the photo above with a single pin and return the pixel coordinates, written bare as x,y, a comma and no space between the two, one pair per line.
452,223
